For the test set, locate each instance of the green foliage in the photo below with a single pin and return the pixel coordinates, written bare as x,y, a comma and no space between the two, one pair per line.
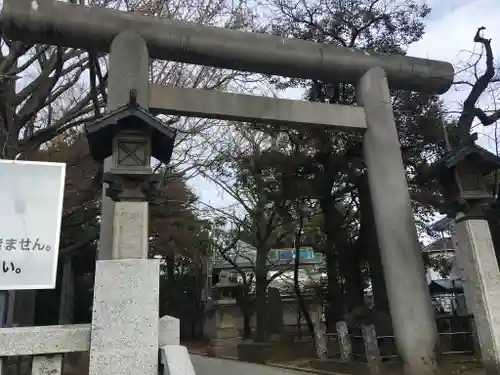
440,263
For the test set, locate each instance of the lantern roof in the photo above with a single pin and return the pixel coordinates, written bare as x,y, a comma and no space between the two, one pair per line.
131,116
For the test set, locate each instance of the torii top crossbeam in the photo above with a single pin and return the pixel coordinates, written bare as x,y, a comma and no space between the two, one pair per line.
77,26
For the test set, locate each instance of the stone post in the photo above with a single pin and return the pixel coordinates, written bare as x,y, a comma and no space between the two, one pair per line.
413,320
344,341
372,351
478,268
124,338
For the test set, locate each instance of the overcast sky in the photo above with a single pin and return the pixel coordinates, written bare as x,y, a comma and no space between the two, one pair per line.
449,33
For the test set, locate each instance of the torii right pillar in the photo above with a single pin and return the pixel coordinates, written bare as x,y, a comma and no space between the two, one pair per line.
411,310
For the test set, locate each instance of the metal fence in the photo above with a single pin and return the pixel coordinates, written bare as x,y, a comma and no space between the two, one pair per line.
370,347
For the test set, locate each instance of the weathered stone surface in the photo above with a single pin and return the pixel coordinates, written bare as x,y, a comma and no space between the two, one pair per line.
321,340
95,27
176,360
479,271
47,365
344,341
412,316
125,318
169,331
130,230
231,106
44,340
371,348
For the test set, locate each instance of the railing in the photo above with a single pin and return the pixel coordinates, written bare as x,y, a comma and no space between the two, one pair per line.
48,344
372,349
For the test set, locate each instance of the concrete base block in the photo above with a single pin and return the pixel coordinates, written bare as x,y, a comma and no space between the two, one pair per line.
229,341
223,351
226,333
124,337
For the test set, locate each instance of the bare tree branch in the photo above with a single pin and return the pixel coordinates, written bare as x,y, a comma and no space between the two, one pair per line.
470,110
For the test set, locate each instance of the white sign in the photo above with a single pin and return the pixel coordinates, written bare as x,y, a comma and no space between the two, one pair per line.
31,199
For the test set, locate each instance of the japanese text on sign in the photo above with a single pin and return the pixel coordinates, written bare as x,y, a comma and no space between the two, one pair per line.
25,244
30,223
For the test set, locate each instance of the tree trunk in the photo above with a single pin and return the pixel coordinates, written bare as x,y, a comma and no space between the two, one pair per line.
170,263
300,298
379,290
245,302
369,241
334,298
247,326
261,284
261,306
354,294
67,292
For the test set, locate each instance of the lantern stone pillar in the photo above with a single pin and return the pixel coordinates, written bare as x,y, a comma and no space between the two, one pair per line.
129,70
478,269
461,173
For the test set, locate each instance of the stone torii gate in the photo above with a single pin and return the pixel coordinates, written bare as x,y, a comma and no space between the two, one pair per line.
128,344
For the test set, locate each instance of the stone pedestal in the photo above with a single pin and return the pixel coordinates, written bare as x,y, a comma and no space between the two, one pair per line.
478,268
226,337
124,339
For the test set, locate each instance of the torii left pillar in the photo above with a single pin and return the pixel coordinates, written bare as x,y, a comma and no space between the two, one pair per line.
124,338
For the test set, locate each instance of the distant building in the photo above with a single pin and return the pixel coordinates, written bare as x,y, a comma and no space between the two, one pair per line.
441,250
244,256
446,289
279,261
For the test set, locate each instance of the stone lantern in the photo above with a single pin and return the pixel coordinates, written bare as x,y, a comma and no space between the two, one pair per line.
226,317
132,135
227,287
461,173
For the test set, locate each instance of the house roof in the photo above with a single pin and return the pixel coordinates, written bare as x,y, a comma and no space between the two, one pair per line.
490,161
444,286
100,132
442,244
442,225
